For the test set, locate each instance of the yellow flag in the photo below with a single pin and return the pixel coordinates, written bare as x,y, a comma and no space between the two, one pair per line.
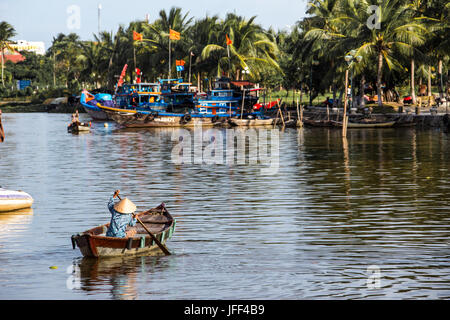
174,35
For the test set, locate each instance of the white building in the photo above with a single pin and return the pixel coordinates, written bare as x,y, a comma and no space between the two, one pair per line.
34,46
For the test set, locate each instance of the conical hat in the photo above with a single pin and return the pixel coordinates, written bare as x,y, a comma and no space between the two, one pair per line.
125,206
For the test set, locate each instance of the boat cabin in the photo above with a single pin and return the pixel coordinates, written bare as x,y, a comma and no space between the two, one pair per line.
138,94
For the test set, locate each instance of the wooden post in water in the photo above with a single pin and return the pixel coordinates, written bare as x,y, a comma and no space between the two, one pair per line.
281,113
344,116
242,106
299,117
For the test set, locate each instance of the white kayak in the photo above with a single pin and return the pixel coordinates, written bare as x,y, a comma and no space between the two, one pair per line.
14,200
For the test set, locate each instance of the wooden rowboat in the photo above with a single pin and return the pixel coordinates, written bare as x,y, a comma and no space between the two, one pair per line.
79,127
95,243
317,123
250,122
14,200
365,124
148,119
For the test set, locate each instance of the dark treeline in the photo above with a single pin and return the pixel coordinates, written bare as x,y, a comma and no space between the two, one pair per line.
399,45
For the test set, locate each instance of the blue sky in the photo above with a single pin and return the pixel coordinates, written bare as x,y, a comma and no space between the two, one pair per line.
42,20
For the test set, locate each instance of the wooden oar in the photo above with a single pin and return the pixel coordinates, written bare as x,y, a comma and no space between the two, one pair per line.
2,133
160,245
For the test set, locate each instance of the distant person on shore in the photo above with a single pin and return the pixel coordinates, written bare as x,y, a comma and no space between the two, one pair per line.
328,102
2,133
422,90
122,216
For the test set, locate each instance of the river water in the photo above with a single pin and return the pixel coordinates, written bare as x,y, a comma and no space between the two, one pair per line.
365,218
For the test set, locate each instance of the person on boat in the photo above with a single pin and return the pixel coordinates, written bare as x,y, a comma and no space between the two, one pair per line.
122,216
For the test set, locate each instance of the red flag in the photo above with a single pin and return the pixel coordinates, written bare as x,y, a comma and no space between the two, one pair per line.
137,36
229,42
122,75
138,74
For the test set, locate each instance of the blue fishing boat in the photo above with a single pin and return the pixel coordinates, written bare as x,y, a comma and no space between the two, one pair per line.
228,97
150,118
145,96
177,94
89,102
138,96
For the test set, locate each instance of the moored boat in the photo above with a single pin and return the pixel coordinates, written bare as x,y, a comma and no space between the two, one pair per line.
317,123
367,124
14,200
79,127
95,243
148,119
89,103
251,122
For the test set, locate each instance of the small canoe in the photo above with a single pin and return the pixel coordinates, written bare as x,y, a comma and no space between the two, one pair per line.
95,243
366,124
11,200
79,127
251,122
317,123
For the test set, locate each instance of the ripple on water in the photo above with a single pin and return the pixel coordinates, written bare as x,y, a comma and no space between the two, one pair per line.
310,231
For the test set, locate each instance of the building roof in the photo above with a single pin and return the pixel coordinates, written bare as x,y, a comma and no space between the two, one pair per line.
14,57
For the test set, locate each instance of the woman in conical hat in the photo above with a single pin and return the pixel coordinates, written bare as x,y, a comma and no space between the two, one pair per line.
122,216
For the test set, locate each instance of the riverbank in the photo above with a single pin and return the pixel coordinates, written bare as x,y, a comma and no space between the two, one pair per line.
435,118
26,107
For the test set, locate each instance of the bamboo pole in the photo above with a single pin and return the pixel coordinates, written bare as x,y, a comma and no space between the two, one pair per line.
281,113
344,116
299,116
242,106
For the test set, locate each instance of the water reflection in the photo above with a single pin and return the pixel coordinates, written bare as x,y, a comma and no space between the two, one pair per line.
12,223
120,276
334,208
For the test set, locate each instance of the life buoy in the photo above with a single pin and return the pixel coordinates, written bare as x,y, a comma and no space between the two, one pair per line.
149,118
139,115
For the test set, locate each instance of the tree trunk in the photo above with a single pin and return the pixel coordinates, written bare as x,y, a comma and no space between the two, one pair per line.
110,80
334,95
198,82
429,86
413,93
429,80
441,89
379,73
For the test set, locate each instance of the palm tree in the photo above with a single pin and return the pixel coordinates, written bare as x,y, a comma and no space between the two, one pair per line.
201,33
252,48
158,34
398,34
66,52
6,33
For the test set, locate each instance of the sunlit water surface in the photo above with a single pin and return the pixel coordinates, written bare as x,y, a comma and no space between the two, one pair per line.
363,219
